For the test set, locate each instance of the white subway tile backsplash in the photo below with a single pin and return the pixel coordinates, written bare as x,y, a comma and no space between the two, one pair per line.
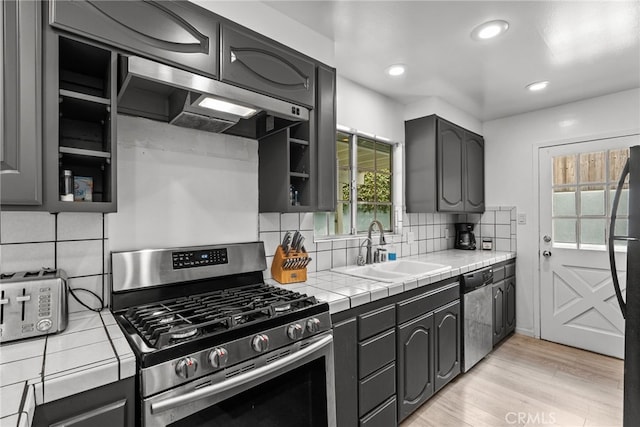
422,219
27,257
269,221
26,227
487,230
80,258
489,217
503,231
422,232
271,241
79,226
338,244
290,221
338,258
422,246
323,260
503,217
306,221
502,244
90,283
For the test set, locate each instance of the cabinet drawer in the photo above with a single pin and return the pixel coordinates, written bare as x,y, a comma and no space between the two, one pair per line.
376,352
373,323
425,303
510,270
384,416
498,274
376,388
259,64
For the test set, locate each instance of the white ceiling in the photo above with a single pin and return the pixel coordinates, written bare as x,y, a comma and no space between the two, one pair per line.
584,48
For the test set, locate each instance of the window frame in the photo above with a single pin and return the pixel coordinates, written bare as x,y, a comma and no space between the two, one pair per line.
353,202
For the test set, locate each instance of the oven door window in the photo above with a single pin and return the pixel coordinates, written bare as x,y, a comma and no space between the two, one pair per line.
296,398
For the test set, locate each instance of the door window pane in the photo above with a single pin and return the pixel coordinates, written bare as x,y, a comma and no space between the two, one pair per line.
617,159
592,201
564,202
564,231
592,167
622,229
592,231
564,170
623,204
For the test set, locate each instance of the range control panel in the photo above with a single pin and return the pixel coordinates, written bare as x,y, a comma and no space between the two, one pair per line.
201,258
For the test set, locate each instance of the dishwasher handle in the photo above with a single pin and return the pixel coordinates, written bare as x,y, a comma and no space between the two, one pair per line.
476,279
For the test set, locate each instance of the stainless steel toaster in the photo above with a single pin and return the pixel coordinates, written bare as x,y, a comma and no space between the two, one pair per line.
32,303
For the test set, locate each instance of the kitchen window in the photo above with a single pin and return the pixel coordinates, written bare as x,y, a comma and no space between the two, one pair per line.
583,188
364,168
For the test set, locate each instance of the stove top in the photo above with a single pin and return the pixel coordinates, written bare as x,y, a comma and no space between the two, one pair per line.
186,318
185,302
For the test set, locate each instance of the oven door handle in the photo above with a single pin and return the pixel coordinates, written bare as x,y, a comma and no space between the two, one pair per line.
202,393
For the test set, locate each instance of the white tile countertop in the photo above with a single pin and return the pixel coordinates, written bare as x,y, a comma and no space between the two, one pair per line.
343,292
89,353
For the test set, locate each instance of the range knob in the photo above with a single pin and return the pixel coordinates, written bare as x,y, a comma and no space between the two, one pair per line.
186,367
218,357
295,331
260,343
313,325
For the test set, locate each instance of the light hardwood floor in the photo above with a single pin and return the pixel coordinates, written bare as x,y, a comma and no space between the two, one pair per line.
530,382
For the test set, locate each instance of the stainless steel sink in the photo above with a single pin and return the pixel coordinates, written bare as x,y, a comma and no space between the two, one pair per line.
394,271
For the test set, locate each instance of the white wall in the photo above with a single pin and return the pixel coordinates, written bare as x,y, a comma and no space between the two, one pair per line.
511,146
436,105
180,187
365,110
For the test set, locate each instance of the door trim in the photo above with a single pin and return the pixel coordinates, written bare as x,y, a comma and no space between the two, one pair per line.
535,157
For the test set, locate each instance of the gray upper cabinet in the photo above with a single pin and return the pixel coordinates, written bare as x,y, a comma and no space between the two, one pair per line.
326,138
256,63
474,173
445,167
177,32
450,167
21,116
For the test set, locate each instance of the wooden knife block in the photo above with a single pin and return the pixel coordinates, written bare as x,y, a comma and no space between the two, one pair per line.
290,275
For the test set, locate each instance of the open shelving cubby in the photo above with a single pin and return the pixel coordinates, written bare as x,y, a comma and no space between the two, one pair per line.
86,128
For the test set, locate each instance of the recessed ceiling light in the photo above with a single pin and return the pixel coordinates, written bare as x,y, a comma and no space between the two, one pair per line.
396,70
489,30
534,87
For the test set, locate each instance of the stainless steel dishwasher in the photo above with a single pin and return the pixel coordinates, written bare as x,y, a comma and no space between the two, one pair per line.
477,314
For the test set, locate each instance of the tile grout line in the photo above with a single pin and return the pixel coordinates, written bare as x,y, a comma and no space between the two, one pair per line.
112,346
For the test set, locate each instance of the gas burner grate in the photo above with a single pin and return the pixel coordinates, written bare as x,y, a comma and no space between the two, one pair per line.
186,318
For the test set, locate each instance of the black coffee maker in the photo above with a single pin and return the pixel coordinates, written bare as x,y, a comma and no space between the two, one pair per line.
464,236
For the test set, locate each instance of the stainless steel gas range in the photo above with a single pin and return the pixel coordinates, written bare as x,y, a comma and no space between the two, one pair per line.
215,345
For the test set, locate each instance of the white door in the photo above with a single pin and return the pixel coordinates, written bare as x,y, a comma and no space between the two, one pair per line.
578,306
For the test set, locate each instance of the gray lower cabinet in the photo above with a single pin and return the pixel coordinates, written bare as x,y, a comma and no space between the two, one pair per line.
21,112
448,341
393,354
415,364
107,406
445,167
510,304
254,62
175,32
504,301
345,345
499,330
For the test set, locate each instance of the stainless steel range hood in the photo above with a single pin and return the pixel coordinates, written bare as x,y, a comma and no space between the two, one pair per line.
161,92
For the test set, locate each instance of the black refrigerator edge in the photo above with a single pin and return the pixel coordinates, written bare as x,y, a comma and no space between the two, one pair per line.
631,307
